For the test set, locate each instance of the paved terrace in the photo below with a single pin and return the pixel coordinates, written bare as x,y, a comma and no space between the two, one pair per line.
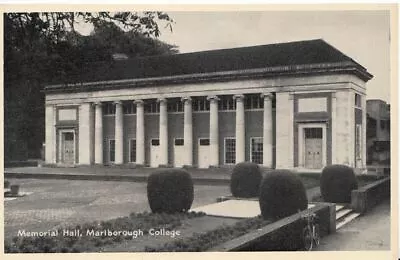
212,176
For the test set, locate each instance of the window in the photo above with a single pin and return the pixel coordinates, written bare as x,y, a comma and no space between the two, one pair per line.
109,108
200,104
253,101
151,106
111,150
358,141
175,105
313,133
132,150
68,136
357,100
155,142
226,103
230,150
129,108
256,149
204,141
383,123
179,141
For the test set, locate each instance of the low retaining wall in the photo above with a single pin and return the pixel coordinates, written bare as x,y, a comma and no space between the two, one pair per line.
366,197
284,234
10,164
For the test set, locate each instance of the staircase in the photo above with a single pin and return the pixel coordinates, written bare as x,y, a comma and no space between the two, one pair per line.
344,215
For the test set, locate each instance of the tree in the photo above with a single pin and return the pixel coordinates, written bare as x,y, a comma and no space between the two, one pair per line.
39,47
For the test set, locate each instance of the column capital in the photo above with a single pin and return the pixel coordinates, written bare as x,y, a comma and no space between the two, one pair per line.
97,104
291,95
162,100
118,102
138,102
212,98
186,99
239,97
267,95
333,94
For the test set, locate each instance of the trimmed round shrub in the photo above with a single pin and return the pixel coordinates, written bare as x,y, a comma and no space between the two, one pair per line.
282,194
170,191
337,182
245,180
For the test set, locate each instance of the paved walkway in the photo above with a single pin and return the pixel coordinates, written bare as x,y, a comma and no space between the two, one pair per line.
54,203
212,176
368,232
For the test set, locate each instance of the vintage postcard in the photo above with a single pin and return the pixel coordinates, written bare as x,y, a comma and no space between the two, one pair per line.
156,129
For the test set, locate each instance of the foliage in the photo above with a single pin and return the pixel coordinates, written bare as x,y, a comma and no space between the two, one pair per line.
337,182
245,180
281,194
170,190
40,47
204,241
85,243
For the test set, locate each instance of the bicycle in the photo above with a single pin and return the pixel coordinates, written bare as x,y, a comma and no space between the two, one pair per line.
310,233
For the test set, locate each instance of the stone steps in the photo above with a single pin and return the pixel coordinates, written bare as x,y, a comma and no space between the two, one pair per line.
344,215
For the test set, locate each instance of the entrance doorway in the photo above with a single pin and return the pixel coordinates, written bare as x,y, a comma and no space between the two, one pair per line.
312,145
313,148
154,153
179,152
204,152
67,148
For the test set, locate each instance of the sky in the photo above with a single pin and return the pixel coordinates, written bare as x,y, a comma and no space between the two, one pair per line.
362,35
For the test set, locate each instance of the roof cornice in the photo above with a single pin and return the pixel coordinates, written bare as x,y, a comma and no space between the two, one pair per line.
347,67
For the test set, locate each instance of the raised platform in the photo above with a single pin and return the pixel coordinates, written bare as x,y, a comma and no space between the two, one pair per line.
233,209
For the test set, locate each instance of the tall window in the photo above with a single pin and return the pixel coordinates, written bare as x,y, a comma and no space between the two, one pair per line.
175,105
111,150
129,108
132,150
253,101
358,141
200,104
230,150
226,103
357,100
256,149
151,106
109,108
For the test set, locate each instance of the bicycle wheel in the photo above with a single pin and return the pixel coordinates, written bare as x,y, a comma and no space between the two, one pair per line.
307,239
316,234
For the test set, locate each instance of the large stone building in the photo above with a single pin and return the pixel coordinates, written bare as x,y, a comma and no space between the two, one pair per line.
297,105
378,132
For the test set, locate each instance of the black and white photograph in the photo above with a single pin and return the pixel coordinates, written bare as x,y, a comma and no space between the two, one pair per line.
221,130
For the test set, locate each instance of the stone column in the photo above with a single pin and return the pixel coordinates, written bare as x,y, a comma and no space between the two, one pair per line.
140,142
163,132
188,130
214,147
267,130
119,133
98,135
50,143
85,135
240,129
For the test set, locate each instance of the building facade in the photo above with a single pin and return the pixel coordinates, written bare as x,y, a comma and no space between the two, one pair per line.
298,105
378,132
